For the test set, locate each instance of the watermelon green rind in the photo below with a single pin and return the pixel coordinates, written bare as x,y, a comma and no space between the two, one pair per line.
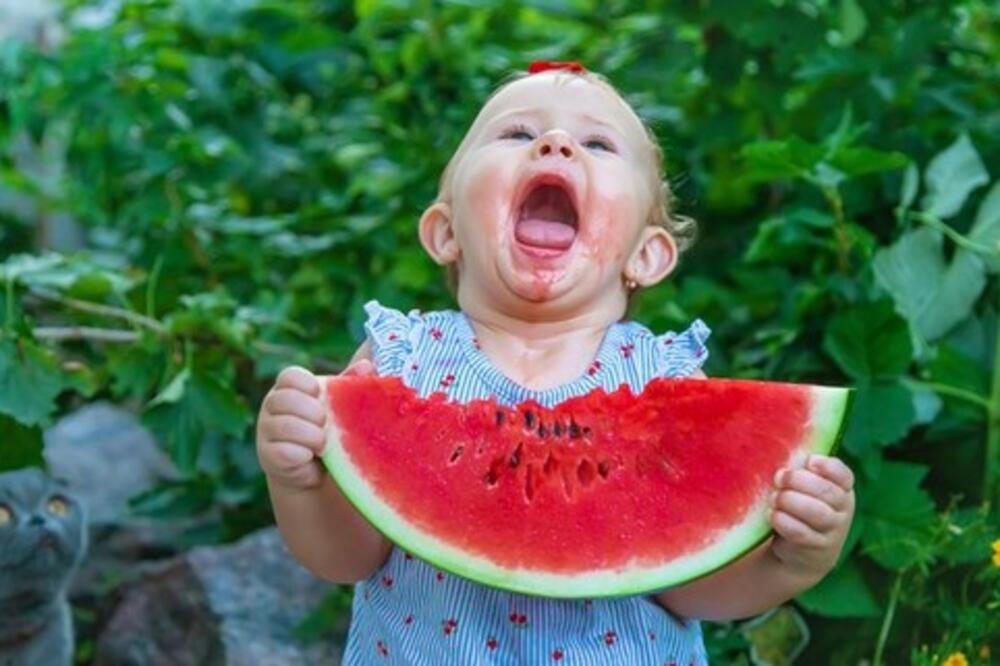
829,411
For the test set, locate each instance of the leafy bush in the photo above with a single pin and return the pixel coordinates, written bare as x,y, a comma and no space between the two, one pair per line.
245,175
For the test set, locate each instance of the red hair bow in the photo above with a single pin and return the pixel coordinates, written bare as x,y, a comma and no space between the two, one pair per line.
545,65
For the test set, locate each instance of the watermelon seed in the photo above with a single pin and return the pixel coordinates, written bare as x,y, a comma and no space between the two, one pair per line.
493,475
456,454
542,432
574,430
529,420
603,468
557,429
585,472
515,458
500,417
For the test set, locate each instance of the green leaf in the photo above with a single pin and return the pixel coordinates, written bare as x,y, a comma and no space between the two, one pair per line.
869,341
911,181
881,414
986,229
20,445
899,516
30,381
842,593
853,22
193,403
932,295
780,160
951,176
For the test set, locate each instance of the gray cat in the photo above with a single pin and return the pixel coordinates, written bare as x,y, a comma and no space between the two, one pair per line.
42,541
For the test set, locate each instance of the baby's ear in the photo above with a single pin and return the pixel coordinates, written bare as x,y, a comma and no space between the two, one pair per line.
436,234
654,258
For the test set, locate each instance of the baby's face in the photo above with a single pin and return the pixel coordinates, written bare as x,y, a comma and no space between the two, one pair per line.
551,196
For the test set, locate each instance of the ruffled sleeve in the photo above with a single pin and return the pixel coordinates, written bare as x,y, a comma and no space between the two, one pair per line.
393,337
680,354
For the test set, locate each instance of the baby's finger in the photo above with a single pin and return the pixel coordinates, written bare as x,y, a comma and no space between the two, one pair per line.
795,531
296,377
291,402
294,429
833,469
288,455
360,368
807,509
813,484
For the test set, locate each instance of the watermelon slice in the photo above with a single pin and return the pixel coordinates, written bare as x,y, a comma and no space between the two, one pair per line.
602,495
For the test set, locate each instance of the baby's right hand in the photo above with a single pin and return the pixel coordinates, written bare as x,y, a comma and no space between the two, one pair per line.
290,428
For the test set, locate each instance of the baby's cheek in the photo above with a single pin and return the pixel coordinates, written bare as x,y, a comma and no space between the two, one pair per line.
609,228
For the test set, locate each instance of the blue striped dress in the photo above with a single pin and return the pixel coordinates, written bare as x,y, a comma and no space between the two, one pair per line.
408,612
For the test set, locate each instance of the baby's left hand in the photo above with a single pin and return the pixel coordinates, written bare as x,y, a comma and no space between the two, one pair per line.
813,509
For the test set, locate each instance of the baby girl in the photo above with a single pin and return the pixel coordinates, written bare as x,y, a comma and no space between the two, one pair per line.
552,211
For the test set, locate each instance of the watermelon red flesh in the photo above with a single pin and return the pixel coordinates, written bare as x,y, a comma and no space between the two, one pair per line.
602,494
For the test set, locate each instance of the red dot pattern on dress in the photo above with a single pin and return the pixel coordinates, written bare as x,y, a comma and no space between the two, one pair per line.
439,576
557,655
382,648
627,350
518,619
491,643
594,368
393,336
408,619
610,637
652,636
449,625
668,341
387,581
448,380
436,333
475,342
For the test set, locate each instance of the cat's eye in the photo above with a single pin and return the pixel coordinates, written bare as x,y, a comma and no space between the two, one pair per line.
57,506
5,515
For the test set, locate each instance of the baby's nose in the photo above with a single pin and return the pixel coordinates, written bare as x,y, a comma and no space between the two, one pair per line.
554,143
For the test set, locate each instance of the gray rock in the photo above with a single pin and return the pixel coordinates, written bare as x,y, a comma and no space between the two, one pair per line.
107,457
235,605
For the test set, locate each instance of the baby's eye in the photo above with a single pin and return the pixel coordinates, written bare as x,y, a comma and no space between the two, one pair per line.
520,132
597,143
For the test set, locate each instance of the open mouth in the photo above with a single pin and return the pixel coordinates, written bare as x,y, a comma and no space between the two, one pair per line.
547,219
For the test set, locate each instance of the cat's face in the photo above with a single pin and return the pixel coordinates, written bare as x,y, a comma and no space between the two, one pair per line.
42,530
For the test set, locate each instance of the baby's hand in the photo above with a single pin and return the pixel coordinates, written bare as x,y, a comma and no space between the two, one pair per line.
290,432
813,509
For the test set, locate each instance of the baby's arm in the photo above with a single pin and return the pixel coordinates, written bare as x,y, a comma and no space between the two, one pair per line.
321,528
813,508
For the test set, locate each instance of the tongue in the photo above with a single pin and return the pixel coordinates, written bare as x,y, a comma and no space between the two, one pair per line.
545,233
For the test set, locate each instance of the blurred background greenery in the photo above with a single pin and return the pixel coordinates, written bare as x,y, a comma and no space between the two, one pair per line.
195,193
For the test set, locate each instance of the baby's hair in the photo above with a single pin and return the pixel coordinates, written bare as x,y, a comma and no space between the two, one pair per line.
682,228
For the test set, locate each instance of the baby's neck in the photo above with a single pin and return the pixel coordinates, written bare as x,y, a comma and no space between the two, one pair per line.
539,354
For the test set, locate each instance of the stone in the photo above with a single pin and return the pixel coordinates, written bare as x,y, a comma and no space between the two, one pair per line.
234,605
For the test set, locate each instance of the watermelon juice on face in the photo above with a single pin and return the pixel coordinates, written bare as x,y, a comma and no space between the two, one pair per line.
530,478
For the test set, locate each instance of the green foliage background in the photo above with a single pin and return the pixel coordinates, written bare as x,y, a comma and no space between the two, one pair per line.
249,173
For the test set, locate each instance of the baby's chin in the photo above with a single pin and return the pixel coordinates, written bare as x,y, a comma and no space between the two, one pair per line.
543,279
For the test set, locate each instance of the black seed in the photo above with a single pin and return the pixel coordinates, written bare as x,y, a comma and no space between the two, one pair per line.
491,478
542,432
515,458
500,417
557,429
574,430
456,454
603,468
586,431
529,420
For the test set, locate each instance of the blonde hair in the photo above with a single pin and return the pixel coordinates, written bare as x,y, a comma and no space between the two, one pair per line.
682,228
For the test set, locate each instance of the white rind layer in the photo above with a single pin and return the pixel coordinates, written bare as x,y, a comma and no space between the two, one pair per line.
829,409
